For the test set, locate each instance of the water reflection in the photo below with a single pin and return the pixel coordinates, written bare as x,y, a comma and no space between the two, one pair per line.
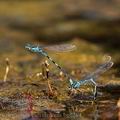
26,107
87,110
100,110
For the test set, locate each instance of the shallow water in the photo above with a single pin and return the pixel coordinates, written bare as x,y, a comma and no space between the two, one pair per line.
103,108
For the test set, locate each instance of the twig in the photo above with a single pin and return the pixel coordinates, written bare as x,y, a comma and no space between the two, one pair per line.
7,69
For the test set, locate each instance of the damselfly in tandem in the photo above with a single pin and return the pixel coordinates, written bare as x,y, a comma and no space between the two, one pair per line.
74,84
91,78
58,48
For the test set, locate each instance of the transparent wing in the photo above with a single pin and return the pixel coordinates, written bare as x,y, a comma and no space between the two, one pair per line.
101,69
106,58
61,47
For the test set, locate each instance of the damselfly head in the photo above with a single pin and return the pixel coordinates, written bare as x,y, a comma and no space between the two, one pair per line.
28,46
74,84
33,48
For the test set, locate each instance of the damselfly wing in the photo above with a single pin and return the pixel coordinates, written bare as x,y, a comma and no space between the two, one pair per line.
101,69
60,47
56,48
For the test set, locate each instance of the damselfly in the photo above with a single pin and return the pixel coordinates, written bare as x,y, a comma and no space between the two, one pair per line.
91,78
58,48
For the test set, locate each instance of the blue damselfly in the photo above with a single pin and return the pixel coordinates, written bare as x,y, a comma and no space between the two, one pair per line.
91,78
57,48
